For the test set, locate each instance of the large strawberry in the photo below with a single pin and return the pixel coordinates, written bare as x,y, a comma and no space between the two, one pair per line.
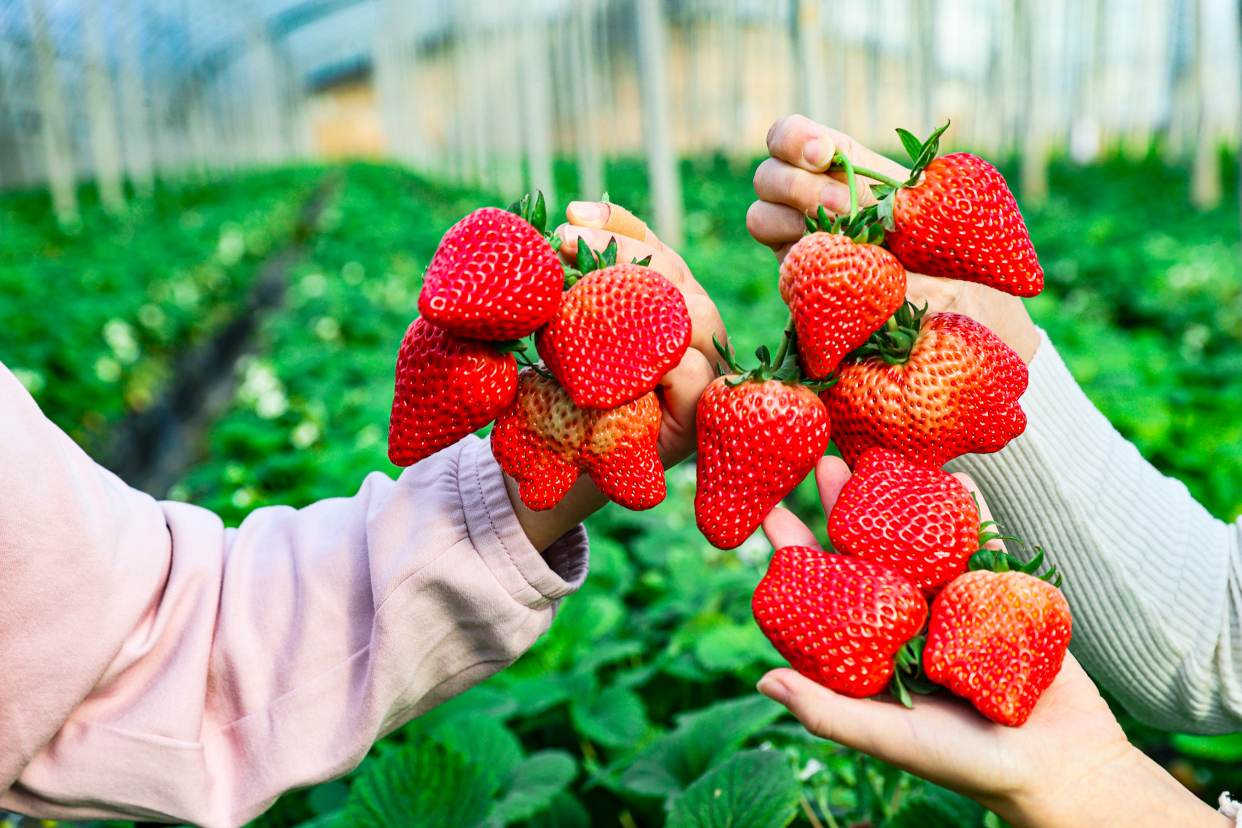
494,276
838,620
921,522
758,437
931,386
998,638
839,291
447,387
617,332
956,218
544,441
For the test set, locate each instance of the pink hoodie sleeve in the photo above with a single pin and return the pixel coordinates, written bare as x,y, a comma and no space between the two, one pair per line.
156,665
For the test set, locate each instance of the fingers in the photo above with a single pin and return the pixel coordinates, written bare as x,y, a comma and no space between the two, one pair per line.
779,182
774,224
682,388
628,249
783,528
799,141
831,475
985,514
705,324
612,218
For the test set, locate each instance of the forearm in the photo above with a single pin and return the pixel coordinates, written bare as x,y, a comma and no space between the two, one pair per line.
1130,790
1154,581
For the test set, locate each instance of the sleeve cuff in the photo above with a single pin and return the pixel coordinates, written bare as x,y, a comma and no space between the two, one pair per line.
535,580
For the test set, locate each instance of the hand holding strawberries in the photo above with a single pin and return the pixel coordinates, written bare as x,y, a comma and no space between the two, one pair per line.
1068,766
795,182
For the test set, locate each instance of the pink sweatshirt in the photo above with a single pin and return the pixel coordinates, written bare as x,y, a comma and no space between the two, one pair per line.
156,665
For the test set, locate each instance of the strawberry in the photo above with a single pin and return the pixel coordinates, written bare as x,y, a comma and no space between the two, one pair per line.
494,276
758,437
920,522
617,332
838,620
998,638
956,218
930,386
839,292
544,442
447,387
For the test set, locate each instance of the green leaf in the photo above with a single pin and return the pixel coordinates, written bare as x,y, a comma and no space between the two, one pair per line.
483,701
533,786
608,652
700,741
534,694
1215,748
425,784
616,718
565,811
735,647
934,807
913,145
487,742
753,789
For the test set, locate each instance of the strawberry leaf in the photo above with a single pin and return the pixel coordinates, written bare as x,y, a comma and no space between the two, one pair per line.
539,213
885,211
913,146
753,789
935,807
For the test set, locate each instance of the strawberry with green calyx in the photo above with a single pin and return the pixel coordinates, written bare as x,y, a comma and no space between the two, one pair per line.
998,635
760,433
840,286
619,329
922,522
930,386
840,621
447,387
544,441
495,275
956,218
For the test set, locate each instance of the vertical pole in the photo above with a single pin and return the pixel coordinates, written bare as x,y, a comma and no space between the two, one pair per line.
657,131
585,103
808,49
135,116
1205,187
537,97
54,127
101,112
1034,167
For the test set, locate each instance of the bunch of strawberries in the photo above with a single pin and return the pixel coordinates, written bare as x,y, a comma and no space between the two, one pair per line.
900,391
911,599
606,332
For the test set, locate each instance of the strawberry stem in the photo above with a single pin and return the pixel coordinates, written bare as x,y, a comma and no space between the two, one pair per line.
843,160
880,177
785,340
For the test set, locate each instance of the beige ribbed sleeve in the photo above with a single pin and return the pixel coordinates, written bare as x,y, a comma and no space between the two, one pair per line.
1154,581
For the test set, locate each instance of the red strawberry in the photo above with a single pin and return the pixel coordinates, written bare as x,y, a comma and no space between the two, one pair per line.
839,291
757,439
998,639
920,522
838,620
931,387
618,331
536,440
494,276
544,442
957,219
447,387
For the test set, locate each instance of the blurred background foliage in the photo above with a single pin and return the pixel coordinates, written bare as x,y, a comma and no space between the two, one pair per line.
638,708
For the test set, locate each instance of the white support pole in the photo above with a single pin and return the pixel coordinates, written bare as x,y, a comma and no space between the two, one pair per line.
54,126
662,165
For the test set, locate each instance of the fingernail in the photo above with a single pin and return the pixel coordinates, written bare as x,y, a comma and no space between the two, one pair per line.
835,197
572,234
816,153
585,210
773,689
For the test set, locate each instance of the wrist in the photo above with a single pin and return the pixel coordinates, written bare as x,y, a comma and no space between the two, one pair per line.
543,528
1127,789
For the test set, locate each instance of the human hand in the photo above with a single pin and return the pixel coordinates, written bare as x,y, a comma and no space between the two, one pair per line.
793,184
595,224
1068,766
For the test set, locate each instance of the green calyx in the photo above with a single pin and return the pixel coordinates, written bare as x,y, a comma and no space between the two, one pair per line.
895,339
783,367
921,154
994,560
510,346
908,675
533,210
861,226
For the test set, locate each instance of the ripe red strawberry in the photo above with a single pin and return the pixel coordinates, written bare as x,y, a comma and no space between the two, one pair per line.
957,219
447,387
618,331
838,620
494,276
839,291
930,386
920,522
757,440
998,639
544,441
